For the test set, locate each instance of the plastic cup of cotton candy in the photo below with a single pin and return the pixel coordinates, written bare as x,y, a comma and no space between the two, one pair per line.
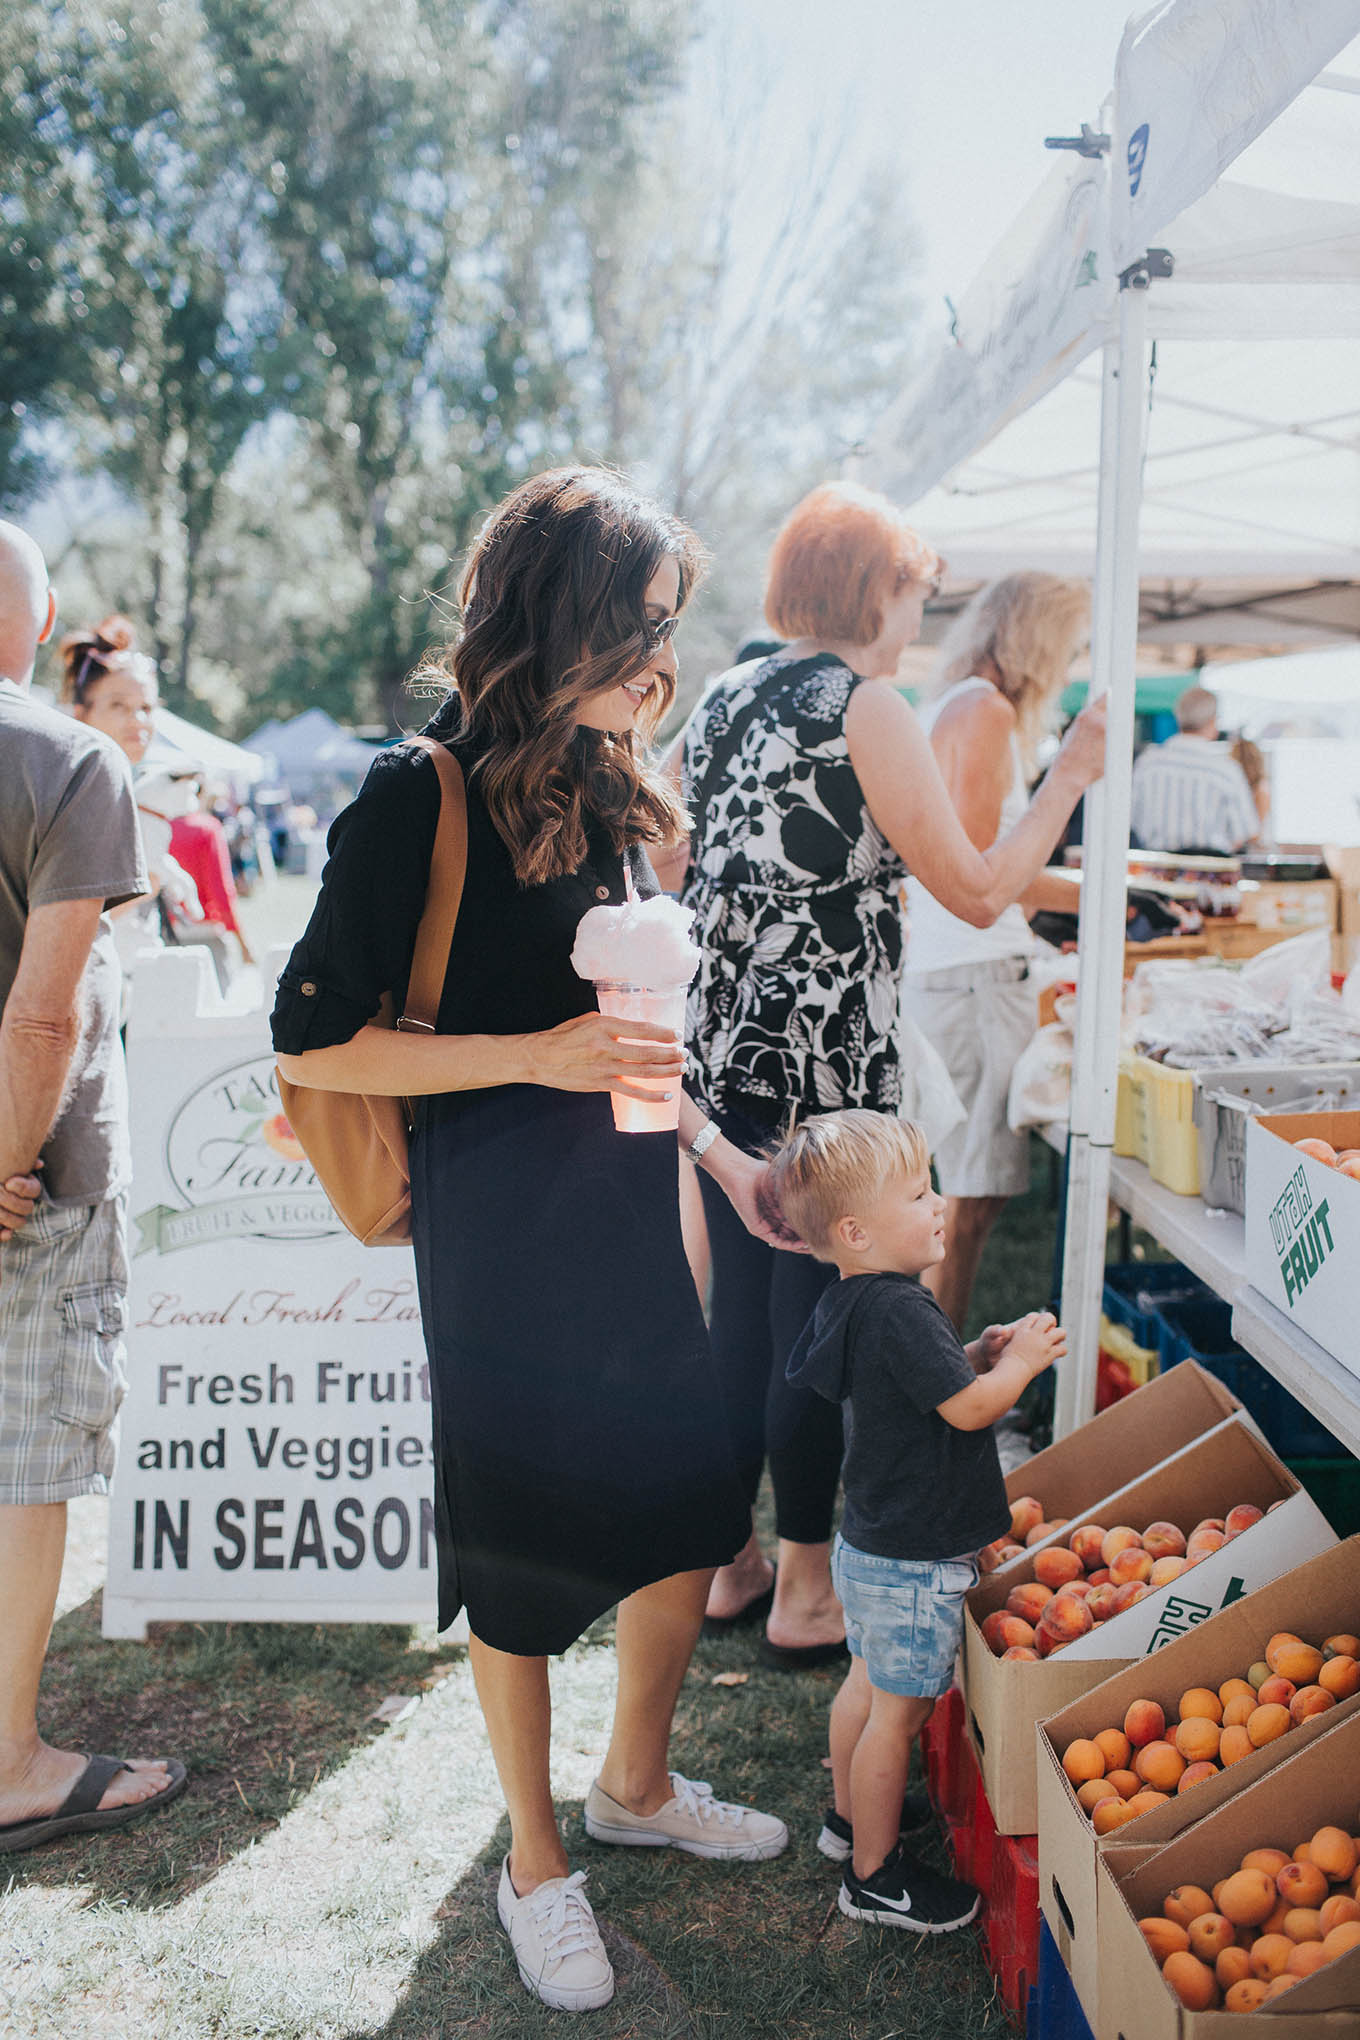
640,959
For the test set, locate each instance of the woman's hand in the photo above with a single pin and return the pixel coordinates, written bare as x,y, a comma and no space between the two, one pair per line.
1083,748
601,1052
743,1180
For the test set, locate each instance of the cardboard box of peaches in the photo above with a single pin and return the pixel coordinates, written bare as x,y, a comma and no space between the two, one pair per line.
1303,1222
1177,1735
1266,1891
1070,1647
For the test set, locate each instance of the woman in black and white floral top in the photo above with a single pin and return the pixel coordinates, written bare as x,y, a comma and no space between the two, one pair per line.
813,791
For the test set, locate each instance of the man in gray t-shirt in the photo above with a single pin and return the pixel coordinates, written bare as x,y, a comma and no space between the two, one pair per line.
69,849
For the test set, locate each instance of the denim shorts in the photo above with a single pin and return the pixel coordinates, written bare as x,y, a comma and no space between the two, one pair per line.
903,1616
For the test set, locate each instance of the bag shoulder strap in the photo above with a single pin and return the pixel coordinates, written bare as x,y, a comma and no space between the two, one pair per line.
448,869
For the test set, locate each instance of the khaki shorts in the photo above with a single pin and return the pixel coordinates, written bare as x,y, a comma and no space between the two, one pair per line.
979,1016
63,1307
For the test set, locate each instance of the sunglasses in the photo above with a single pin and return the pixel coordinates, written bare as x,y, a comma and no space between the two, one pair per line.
907,575
659,634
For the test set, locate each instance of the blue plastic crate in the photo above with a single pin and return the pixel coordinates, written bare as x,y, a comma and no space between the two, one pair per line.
1054,2012
1136,1290
1201,1329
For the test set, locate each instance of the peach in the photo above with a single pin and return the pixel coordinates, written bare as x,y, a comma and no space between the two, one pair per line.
1210,1934
1247,1897
1101,1600
1056,1565
1234,1744
1301,1884
1019,1654
1199,1702
1349,1165
1038,1533
1246,1995
1272,1861
1025,1513
1121,1538
1340,1676
1045,1642
1236,1689
1209,1523
1159,1764
1007,1550
1303,1923
1164,1540
1028,1600
1164,1937
1204,1541
1232,1966
1090,1794
1083,1760
1195,1774
1320,1150
1270,1955
1341,1939
1297,1661
1144,1722
1078,1589
1132,1563
1276,1691
1341,1645
1267,1723
989,1558
1186,1903
1238,1711
1310,1700
1197,1739
1164,1570
1337,1910
1131,1591
1241,1518
1115,1747
1308,1956
1085,1543
1098,1576
1192,1980
1066,1619
1257,1674
1112,1814
1333,1853
1000,1631
1125,1782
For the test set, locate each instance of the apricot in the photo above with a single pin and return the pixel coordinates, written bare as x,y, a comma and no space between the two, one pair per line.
1234,1744
1272,1861
1039,1533
1209,1935
1276,1691
1125,1782
1267,1723
1337,1910
1332,1851
1340,1676
1132,1563
1341,1645
1083,1760
1065,1619
1199,1703
1164,1937
1188,1901
1020,1653
1281,1636
1238,1711
1028,1600
1131,1591
1303,1853
1246,1995
1025,1513
1270,1955
1310,1700
1301,1884
1236,1689
1303,1923
1111,1814
1247,1897
1164,1540
1146,1799
1084,1543
1144,1722
1257,1674
1056,1565
1101,1600
1274,1921
1159,1764
1197,1739
1308,1956
1115,1747
1320,1150
1341,1939
1296,1661
1121,1538
1195,1774
1280,1986
1164,1570
1192,1980
1090,1794
1232,1966
1241,1518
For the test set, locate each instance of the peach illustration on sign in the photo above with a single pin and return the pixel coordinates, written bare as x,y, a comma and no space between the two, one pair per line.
279,1135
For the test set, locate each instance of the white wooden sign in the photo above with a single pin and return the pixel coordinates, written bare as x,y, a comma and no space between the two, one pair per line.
274,1462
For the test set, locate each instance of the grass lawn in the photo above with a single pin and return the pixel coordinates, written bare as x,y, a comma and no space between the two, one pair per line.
331,1875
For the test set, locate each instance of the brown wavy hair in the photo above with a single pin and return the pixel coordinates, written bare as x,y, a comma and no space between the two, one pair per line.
553,611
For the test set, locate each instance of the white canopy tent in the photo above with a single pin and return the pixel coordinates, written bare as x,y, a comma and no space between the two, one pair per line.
1256,448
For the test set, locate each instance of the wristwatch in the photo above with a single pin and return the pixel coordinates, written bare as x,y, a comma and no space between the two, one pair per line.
703,1140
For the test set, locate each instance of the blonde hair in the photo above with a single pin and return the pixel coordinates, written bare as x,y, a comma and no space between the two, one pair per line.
1029,626
827,1166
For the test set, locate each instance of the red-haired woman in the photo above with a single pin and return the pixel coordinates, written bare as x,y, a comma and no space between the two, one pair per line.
813,790
581,1457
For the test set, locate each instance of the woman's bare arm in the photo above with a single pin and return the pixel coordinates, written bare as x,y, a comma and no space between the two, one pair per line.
972,745
907,797
589,1053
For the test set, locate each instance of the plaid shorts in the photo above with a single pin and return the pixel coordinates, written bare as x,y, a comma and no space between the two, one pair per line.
903,1616
63,1307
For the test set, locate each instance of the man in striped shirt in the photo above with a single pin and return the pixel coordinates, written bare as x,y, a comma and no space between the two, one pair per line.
1189,793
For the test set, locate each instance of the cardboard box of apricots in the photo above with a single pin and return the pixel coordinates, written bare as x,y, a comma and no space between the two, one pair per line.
1303,1225
1318,1787
1316,1600
1003,1699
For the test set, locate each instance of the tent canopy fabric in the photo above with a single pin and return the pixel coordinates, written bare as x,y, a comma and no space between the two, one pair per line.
313,746
175,741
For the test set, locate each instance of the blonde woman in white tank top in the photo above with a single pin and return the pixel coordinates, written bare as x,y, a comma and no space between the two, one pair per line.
967,987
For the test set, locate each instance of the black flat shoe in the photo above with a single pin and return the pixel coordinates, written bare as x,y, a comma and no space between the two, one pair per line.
805,1657
754,1611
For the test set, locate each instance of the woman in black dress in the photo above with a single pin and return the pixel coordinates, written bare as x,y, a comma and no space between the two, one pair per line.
581,1453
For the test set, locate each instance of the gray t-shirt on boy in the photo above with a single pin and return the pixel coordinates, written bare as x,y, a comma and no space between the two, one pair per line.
68,831
915,1487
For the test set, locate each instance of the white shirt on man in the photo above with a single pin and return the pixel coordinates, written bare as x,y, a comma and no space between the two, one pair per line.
1190,793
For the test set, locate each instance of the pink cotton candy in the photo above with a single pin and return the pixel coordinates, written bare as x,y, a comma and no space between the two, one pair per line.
643,942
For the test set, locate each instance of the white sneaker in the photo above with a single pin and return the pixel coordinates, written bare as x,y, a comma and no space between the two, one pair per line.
693,1820
556,1942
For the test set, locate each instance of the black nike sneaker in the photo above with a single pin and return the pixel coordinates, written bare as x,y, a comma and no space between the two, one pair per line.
905,1893
837,1838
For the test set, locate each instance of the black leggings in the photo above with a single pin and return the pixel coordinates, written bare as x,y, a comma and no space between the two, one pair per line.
762,1298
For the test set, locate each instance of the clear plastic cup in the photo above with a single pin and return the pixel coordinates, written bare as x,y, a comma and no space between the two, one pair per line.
665,1006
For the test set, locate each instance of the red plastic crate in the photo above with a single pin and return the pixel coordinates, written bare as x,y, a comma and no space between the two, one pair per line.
1011,1919
942,1740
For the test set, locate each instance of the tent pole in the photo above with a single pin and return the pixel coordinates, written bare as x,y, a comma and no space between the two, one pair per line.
1100,973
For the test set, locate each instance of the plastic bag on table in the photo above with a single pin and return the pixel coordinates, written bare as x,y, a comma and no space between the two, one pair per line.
1041,1082
928,1094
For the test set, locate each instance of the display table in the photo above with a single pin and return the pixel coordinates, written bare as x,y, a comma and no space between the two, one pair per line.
1212,1245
